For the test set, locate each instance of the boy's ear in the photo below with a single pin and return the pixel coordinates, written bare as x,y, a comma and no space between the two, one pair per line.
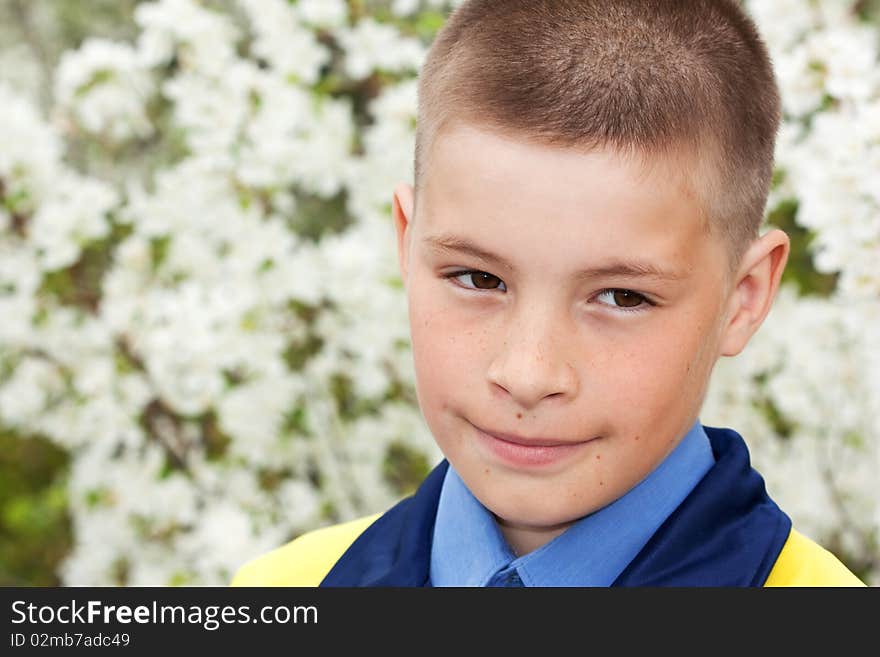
402,209
755,286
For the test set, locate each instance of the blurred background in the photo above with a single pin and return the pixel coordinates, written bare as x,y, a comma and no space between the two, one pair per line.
204,347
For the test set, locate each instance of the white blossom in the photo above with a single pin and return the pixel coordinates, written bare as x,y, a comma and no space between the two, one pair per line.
372,45
26,394
73,214
290,48
200,38
31,153
254,412
322,13
104,88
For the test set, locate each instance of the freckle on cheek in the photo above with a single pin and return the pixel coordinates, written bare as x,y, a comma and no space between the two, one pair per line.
519,416
601,483
598,456
637,437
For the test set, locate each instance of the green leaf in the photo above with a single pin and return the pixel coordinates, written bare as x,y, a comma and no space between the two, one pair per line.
404,468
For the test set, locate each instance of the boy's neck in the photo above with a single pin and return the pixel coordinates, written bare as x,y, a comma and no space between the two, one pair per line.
523,539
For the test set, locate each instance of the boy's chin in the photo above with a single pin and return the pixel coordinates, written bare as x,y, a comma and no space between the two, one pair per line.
543,514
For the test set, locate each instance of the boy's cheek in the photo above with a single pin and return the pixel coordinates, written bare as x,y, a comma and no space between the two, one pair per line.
440,329
438,353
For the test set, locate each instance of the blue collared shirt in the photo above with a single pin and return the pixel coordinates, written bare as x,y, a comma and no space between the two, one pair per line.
468,548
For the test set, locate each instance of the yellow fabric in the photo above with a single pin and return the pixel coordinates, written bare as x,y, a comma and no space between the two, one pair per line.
805,563
306,560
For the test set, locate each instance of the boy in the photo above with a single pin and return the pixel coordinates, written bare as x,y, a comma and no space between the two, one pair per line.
580,248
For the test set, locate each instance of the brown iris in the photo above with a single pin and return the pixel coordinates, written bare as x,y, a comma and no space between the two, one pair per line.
483,280
627,298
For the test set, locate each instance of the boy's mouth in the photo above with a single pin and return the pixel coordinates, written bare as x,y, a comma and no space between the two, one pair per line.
524,450
528,442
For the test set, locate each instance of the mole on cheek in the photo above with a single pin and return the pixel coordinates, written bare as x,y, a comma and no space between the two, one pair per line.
519,416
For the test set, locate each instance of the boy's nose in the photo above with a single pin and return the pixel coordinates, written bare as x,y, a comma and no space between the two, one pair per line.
532,364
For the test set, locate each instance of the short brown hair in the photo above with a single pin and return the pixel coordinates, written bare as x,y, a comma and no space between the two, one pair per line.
645,77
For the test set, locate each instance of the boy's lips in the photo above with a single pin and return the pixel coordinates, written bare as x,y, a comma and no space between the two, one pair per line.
528,451
529,442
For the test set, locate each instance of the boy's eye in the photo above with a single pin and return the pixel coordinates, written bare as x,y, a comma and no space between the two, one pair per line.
624,299
480,280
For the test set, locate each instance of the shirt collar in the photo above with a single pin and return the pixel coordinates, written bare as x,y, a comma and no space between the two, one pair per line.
468,548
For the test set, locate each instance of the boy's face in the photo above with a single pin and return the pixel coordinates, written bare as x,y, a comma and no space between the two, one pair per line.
588,334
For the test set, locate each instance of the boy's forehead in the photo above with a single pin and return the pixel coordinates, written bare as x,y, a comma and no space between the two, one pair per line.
466,159
589,212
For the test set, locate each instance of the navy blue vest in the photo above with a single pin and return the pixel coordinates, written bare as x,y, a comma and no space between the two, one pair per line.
727,532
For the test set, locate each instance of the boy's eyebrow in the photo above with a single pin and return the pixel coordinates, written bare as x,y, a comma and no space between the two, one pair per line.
628,268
